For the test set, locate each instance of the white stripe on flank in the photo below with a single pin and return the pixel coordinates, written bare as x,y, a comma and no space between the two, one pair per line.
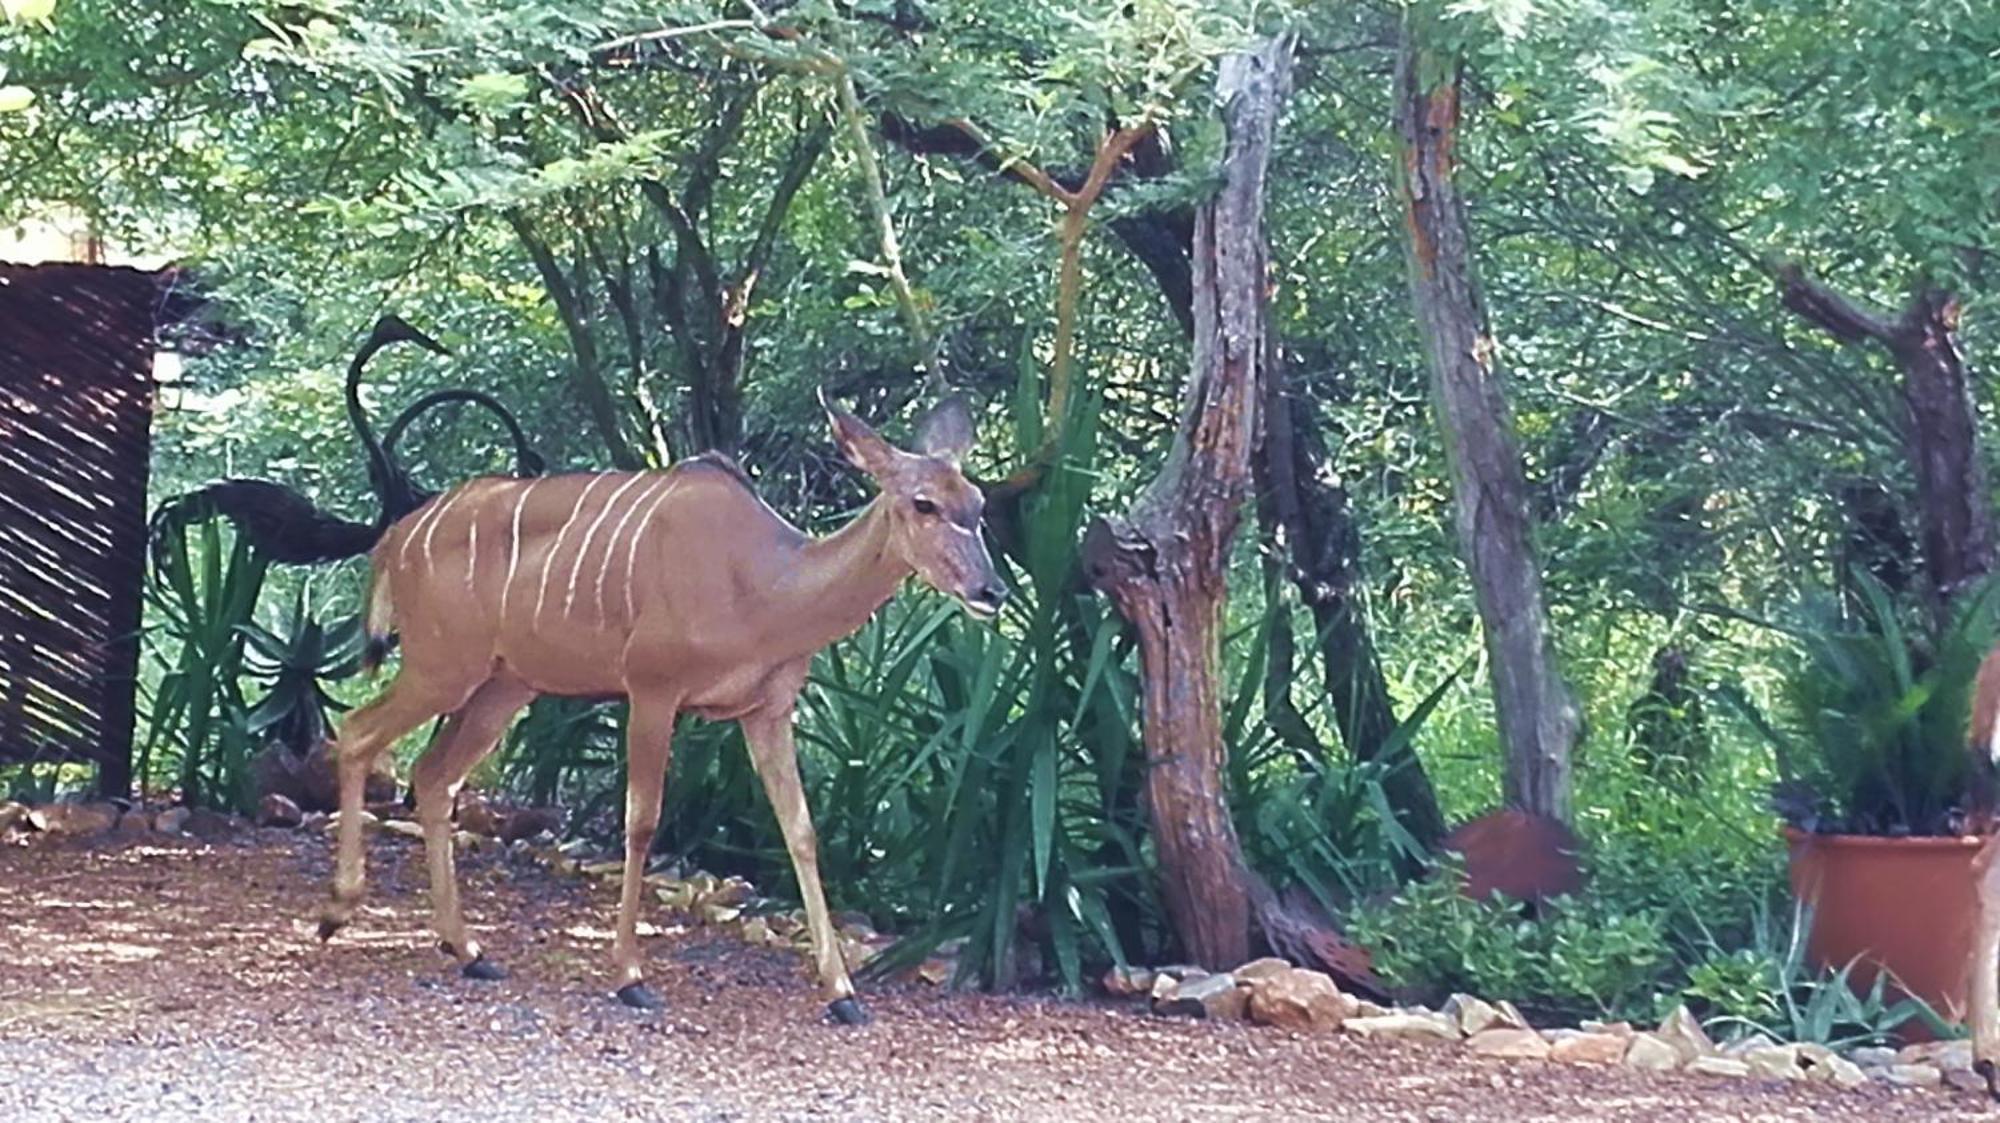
472,555
1993,742
549,563
514,551
611,543
583,551
430,532
632,552
422,519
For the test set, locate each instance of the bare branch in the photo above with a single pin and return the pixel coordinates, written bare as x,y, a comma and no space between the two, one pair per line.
1841,317
624,42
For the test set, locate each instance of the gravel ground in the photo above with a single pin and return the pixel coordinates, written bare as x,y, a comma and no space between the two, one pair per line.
170,980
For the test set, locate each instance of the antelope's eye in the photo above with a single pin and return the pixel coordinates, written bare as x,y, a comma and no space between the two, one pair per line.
924,506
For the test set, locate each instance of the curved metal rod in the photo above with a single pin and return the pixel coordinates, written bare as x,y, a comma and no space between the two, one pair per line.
391,485
527,462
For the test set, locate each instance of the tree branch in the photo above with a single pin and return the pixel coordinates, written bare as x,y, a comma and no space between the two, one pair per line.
1840,316
885,227
589,381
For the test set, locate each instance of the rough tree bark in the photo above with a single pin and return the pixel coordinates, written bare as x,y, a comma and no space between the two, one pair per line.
1538,721
1939,428
1164,564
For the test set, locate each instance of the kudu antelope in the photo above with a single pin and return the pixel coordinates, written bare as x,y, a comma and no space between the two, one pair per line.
679,590
1984,1002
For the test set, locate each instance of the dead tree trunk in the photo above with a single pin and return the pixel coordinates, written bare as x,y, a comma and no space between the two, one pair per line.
1538,721
1164,564
1939,429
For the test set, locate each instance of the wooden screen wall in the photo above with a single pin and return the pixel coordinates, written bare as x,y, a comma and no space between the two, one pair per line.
76,395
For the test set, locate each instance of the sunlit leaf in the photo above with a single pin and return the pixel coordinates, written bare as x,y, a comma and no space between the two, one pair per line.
28,11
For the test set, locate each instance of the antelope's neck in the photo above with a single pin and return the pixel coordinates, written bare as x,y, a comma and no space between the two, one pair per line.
840,580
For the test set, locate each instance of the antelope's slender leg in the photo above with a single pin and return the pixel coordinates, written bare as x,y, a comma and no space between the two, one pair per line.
363,736
776,759
649,745
1985,970
469,734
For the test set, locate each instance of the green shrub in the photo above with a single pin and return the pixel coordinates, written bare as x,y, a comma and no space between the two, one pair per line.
1582,958
1743,986
1766,987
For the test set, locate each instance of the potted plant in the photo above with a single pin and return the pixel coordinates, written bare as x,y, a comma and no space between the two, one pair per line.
1877,789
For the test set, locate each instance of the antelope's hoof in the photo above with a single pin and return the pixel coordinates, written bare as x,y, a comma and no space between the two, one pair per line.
328,926
639,996
483,969
1987,1069
848,1012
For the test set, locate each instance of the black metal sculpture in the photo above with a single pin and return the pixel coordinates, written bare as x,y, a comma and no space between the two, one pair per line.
288,528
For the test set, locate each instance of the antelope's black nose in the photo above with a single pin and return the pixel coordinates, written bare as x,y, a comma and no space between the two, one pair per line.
988,599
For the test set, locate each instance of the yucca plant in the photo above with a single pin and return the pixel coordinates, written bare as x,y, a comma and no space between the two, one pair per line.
1880,704
568,751
199,594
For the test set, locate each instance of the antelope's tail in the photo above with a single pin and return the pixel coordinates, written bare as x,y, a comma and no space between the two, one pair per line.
379,624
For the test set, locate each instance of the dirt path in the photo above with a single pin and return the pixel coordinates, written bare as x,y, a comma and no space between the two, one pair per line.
169,981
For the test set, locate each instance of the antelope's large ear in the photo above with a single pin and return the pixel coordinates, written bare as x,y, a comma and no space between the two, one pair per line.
946,429
855,439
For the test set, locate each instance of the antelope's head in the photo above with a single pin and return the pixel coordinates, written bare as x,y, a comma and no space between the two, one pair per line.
933,510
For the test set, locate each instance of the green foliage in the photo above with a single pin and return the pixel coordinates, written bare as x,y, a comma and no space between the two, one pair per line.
1739,987
1590,957
295,663
201,593
13,13
1314,820
1880,704
1767,988
1674,880
569,751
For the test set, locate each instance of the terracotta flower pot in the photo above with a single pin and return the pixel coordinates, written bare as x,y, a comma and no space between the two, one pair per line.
1901,905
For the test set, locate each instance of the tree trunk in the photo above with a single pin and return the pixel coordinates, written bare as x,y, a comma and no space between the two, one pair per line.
1939,428
1538,722
1315,529
1164,564
1321,539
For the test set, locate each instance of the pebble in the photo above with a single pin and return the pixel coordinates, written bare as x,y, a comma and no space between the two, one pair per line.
1914,1076
1649,1053
1510,1044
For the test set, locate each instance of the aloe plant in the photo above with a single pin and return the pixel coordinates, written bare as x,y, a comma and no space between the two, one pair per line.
294,663
1777,993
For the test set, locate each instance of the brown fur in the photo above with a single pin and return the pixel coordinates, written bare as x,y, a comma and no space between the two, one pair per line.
680,590
1984,1002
